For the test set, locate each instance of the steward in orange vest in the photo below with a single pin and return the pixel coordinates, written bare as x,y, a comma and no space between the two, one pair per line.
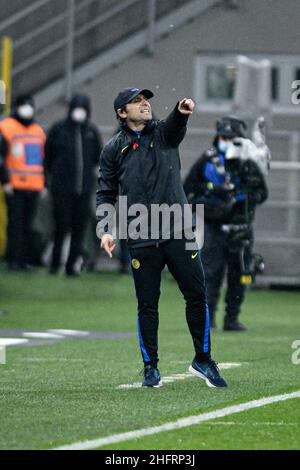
22,152
25,154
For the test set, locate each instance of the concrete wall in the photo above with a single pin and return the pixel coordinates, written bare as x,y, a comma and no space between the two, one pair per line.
269,26
86,46
260,26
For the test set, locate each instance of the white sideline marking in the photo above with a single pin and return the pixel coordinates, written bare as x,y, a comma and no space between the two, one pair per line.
235,423
41,335
50,359
165,380
172,378
180,423
229,365
70,332
11,341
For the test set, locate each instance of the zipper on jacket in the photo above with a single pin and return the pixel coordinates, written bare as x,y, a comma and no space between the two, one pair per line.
148,199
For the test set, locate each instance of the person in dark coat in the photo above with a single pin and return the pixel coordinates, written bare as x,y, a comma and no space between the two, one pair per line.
72,153
230,189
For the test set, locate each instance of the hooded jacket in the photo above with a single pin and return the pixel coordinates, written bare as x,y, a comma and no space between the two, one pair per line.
72,152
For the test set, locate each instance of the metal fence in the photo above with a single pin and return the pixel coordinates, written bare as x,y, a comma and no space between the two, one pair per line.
51,37
68,27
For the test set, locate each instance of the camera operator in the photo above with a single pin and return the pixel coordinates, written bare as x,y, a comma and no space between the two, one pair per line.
230,184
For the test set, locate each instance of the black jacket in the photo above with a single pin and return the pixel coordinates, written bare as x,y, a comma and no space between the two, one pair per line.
146,169
72,153
223,206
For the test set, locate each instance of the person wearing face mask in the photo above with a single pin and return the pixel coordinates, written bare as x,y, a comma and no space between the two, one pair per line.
22,152
72,152
230,189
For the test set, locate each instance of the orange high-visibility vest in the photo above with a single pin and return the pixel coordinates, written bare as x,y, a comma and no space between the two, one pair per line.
25,155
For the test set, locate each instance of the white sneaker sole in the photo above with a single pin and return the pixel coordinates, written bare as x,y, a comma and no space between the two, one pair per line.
153,386
198,374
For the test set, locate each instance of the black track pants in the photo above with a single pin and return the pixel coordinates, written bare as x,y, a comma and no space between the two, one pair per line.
147,264
22,207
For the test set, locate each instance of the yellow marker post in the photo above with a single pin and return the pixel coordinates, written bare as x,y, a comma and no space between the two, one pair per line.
5,99
7,52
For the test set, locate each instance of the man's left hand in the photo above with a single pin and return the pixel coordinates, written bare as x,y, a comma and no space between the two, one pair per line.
186,106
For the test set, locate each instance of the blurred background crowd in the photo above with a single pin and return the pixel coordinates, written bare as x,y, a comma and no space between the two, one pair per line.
63,63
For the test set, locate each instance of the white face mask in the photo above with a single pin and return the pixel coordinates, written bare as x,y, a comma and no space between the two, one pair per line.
79,115
25,111
223,146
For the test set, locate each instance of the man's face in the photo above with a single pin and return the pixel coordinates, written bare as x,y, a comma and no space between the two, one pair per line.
138,111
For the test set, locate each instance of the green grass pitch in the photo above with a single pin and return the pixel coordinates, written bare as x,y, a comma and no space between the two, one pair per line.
65,392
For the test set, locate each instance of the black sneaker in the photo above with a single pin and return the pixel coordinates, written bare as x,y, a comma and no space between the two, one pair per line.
209,372
151,377
233,325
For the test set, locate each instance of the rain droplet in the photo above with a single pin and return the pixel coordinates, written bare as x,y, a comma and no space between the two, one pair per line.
157,87
171,26
166,108
173,89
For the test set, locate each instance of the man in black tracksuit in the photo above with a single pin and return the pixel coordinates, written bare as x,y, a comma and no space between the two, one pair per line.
230,190
72,152
143,161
